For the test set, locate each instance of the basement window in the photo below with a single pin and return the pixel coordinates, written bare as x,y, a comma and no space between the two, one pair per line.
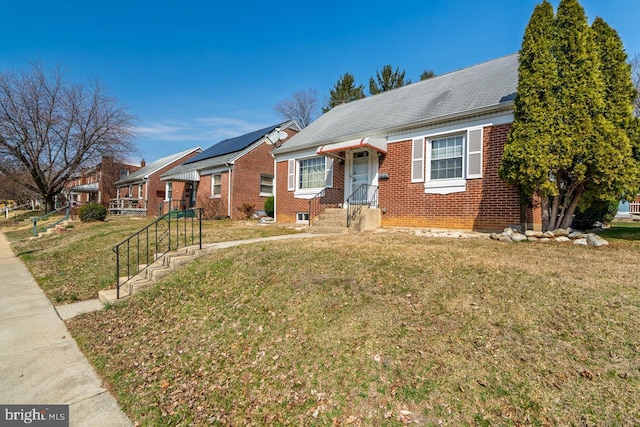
302,217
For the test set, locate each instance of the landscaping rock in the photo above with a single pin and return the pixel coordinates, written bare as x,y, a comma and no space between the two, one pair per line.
562,239
548,234
595,240
517,237
560,232
531,233
504,238
577,235
580,242
533,239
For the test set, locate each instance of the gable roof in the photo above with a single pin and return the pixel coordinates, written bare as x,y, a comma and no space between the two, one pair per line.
222,153
151,168
456,94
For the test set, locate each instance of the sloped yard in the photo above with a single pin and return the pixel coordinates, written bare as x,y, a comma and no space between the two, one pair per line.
75,265
381,329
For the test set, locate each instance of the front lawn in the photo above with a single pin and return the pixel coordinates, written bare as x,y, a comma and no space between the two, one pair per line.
380,329
75,265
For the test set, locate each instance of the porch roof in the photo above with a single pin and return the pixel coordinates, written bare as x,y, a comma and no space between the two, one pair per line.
378,144
181,173
85,188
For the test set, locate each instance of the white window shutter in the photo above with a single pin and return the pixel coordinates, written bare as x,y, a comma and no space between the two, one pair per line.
474,154
328,172
292,175
417,160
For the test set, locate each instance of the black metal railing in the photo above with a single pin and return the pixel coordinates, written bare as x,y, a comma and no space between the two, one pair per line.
170,206
168,233
64,208
365,195
328,197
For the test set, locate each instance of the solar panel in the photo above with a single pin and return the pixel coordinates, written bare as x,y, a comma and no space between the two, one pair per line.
231,145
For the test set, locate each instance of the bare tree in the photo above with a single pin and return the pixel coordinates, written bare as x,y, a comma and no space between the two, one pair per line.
635,75
51,128
302,107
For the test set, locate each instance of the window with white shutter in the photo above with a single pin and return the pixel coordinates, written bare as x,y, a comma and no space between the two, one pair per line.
291,182
474,154
417,160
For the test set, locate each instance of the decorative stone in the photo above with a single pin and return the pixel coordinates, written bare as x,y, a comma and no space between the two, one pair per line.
576,235
548,234
559,232
580,242
544,239
507,232
516,227
517,237
562,239
533,239
531,233
595,240
494,236
504,238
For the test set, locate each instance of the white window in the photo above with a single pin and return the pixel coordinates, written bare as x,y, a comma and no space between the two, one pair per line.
140,191
447,157
302,217
216,185
444,163
266,185
130,195
169,190
311,173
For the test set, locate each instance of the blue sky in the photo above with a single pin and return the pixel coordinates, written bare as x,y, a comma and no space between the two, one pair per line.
195,72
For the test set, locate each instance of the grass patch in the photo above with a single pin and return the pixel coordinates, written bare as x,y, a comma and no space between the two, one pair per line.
380,329
76,265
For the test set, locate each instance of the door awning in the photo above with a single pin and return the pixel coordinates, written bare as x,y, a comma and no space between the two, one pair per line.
188,175
377,144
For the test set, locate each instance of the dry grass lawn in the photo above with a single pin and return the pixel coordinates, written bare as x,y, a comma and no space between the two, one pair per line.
381,329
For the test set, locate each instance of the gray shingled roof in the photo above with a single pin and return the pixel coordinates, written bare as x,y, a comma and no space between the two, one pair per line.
153,167
483,86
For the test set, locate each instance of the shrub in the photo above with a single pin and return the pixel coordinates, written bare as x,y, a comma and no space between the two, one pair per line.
92,212
269,206
598,211
247,209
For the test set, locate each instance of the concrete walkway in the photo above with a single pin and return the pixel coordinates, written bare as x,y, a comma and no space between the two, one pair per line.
40,363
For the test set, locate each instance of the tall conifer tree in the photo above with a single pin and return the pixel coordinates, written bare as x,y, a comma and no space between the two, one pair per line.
345,90
579,150
526,161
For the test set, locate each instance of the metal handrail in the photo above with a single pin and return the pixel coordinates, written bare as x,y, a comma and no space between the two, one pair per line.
154,241
315,205
365,195
39,218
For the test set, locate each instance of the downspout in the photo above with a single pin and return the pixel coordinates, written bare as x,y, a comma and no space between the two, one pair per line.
229,190
275,187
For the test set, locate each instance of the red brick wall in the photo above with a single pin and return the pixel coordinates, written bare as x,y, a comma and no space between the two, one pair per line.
287,206
487,204
246,178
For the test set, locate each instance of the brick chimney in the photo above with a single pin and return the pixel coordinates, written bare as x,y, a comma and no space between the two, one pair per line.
143,163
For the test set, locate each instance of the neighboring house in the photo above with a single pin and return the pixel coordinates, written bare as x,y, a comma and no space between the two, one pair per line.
627,210
232,173
96,184
141,193
428,154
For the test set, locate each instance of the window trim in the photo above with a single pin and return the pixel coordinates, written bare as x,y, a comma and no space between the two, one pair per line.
213,185
307,193
264,193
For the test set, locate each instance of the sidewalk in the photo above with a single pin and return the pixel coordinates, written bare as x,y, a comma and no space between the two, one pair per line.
40,363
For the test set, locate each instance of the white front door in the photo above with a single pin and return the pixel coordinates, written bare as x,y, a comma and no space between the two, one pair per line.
360,174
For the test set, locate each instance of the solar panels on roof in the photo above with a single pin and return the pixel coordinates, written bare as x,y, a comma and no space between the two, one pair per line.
231,145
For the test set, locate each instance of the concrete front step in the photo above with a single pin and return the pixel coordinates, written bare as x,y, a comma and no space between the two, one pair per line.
328,229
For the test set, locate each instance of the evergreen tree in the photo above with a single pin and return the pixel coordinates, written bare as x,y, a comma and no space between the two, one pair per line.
619,97
527,159
344,91
569,141
427,74
387,79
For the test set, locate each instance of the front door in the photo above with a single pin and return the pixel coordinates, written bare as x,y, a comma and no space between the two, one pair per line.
360,175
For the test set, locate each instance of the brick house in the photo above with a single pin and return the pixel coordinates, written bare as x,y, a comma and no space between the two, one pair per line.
425,155
229,174
96,184
141,193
